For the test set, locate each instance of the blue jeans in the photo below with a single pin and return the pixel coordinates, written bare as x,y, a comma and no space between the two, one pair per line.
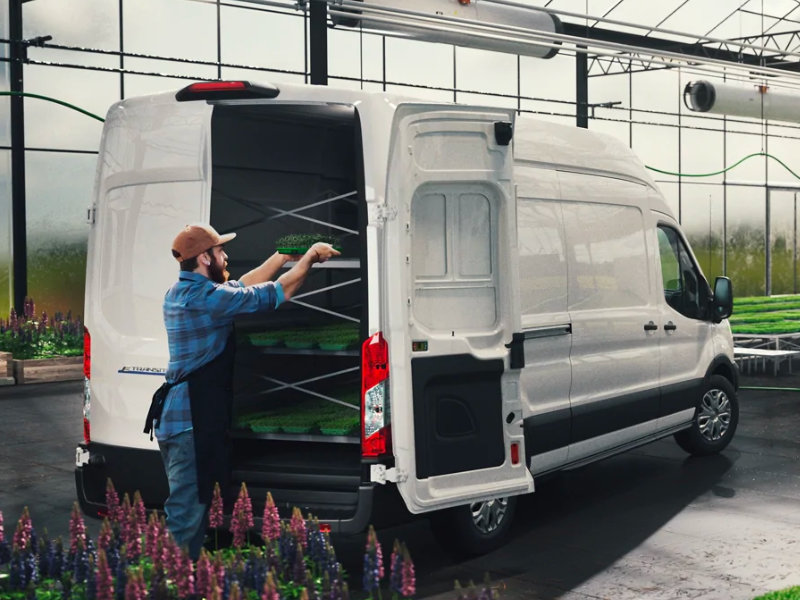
187,518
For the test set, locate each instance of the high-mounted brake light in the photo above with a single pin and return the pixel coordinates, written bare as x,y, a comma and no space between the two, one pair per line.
87,375
375,414
225,90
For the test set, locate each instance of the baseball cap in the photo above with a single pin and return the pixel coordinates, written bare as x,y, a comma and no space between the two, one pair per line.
195,239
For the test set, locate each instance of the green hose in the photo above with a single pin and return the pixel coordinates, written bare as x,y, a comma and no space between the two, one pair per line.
726,169
49,99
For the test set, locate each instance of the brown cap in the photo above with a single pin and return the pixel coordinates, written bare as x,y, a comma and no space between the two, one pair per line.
193,240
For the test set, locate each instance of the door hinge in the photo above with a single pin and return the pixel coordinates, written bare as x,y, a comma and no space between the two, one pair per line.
90,213
385,213
380,474
81,457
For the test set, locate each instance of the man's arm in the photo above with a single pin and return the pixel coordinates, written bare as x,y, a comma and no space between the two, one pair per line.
294,277
266,271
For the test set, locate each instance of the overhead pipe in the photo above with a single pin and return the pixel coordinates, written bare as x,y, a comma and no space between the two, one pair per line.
467,22
757,102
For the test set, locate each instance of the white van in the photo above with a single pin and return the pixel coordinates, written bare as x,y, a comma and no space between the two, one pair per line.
513,298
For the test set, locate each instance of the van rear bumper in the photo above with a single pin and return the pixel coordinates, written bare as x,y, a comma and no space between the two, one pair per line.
135,469
130,469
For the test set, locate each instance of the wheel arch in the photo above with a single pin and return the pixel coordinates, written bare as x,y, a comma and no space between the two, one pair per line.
724,366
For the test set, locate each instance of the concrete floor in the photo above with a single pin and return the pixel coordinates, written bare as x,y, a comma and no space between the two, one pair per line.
650,524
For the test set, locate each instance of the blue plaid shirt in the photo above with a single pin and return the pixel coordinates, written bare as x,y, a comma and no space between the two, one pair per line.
198,314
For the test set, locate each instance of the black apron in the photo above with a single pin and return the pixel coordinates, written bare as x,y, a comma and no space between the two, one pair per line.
211,401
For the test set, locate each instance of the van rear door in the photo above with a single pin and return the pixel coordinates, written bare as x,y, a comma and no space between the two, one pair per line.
452,308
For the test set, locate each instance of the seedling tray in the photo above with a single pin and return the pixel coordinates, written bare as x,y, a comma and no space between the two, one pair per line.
299,249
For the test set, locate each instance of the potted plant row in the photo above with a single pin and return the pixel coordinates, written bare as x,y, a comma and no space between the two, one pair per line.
330,338
299,243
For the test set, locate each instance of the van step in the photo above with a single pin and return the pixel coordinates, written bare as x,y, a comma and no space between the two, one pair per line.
317,480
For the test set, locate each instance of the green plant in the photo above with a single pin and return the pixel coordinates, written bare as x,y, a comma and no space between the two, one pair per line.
791,593
26,337
299,242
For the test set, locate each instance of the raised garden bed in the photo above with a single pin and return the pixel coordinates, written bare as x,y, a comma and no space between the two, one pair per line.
42,370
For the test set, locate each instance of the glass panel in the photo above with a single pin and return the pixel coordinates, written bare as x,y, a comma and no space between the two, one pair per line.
483,70
149,27
428,236
437,58
782,240
746,252
6,267
59,188
259,38
50,125
474,236
702,222
608,247
5,84
85,23
542,257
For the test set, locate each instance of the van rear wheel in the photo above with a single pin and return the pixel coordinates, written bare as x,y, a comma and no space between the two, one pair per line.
715,419
475,528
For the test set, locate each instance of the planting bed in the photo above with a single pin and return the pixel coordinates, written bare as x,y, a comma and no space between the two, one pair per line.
766,315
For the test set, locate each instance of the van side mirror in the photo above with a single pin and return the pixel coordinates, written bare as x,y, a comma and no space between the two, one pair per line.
722,304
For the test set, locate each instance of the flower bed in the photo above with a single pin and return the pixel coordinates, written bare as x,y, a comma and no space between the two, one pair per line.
135,558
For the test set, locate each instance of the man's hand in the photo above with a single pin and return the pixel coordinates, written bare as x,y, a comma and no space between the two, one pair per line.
320,252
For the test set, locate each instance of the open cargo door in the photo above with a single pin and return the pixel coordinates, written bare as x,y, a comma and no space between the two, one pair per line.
457,416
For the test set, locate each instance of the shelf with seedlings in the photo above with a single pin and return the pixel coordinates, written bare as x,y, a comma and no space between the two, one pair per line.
317,416
335,337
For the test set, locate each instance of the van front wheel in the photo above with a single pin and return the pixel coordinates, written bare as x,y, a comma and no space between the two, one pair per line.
715,419
476,528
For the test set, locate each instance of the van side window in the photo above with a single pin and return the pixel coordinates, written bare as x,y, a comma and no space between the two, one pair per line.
608,256
685,289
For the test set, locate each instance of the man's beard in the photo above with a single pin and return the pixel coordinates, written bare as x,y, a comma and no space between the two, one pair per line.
217,272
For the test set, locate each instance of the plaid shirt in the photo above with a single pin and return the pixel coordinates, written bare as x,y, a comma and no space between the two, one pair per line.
198,315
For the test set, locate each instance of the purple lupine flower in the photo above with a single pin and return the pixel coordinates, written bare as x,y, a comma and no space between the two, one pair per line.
287,545
373,539
112,502
2,530
242,517
22,536
396,568
270,591
103,581
297,525
409,584
77,529
152,536
203,574
141,511
133,538
105,536
371,577
215,512
299,567
271,527
135,588
184,576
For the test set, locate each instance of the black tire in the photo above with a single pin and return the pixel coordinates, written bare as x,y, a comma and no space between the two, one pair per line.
715,419
476,528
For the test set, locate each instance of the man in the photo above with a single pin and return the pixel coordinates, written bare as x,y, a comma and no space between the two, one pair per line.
192,416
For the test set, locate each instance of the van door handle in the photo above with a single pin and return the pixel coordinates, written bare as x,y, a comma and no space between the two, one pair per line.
650,326
670,326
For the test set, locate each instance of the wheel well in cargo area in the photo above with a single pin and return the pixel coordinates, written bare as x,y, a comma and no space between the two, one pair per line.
722,365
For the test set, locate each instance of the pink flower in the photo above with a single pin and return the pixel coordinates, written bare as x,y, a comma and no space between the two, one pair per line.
136,589
374,544
22,536
297,525
203,576
105,584
215,512
152,536
2,532
77,529
112,502
141,511
409,582
271,527
105,535
133,538
242,517
270,589
184,577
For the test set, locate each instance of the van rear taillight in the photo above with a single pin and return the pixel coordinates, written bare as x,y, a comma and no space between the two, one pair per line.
375,414
225,90
87,375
